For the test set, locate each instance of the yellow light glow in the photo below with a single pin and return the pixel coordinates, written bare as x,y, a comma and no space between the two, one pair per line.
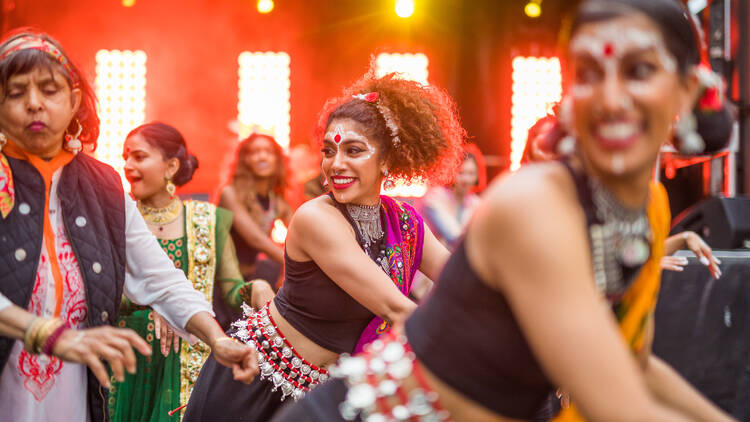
537,84
128,3
533,9
264,95
278,232
121,89
404,8
265,6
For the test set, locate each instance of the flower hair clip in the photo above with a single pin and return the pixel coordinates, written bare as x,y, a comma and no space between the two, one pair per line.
372,97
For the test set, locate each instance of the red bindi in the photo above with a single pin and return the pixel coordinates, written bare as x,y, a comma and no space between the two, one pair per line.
337,138
608,50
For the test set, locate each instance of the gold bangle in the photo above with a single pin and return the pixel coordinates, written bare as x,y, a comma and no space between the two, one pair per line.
47,329
30,332
35,348
224,338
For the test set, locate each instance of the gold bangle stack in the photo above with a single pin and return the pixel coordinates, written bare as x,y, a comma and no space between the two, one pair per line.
38,332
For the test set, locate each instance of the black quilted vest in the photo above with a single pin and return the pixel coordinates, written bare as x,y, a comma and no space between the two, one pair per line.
93,209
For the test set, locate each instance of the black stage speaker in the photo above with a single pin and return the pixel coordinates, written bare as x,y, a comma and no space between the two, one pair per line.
724,223
703,328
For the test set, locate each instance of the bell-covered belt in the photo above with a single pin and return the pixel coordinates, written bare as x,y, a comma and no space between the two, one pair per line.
277,360
375,381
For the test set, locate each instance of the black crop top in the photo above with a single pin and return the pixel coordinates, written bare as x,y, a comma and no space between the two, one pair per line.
466,334
317,307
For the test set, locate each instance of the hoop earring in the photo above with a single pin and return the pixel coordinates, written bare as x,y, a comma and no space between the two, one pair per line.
72,143
170,187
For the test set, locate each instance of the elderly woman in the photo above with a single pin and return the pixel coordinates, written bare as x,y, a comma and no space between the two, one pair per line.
73,242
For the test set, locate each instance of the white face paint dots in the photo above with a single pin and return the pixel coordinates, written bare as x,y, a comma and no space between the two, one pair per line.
339,136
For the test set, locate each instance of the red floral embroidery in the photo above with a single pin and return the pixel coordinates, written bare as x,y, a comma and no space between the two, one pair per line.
39,372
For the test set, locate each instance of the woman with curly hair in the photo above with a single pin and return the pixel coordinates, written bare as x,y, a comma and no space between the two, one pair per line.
351,255
254,192
556,280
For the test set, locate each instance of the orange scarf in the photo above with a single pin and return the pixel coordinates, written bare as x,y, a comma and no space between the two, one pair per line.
46,169
639,301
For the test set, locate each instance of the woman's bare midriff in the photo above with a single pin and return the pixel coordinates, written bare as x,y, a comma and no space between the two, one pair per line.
309,350
460,407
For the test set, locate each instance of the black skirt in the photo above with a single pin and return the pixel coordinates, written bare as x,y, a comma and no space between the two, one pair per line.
319,405
218,397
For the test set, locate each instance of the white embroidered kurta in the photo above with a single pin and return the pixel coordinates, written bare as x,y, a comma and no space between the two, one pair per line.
42,388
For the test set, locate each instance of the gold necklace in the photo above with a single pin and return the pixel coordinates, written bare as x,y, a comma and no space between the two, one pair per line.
161,216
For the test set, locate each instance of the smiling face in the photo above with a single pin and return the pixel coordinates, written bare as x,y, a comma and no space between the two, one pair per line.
145,168
351,163
36,109
260,157
626,94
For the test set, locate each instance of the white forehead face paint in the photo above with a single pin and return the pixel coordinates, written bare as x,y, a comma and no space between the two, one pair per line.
609,45
339,135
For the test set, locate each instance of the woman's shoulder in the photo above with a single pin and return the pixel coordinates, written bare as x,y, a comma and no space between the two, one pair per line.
535,184
315,211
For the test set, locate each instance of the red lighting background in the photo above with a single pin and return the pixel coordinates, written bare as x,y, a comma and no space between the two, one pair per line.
193,47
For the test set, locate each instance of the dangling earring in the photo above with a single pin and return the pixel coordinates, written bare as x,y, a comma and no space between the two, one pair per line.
170,187
690,142
72,143
325,183
388,184
3,141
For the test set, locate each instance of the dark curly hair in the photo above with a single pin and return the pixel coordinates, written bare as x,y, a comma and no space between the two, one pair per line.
25,61
429,129
171,144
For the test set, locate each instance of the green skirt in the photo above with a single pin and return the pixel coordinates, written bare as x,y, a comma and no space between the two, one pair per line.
154,390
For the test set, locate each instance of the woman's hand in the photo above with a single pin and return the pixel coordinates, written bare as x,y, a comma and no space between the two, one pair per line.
262,292
91,346
166,334
703,252
673,263
233,354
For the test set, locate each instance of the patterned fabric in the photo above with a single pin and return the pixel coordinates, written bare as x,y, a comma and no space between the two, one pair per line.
200,228
639,302
33,42
7,194
404,241
155,387
161,383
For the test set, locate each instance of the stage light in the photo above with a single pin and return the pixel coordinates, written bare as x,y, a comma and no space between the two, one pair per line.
533,8
121,89
404,8
537,84
409,66
128,3
265,6
264,95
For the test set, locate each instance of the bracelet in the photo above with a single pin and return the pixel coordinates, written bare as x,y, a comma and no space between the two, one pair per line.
52,339
76,340
224,338
44,333
30,333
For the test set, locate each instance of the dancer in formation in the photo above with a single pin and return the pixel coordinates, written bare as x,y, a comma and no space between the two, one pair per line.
195,236
73,242
351,255
556,280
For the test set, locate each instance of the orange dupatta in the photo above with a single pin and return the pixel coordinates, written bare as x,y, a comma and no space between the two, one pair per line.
46,169
639,301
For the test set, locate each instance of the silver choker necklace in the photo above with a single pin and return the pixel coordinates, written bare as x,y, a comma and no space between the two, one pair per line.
367,219
622,238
